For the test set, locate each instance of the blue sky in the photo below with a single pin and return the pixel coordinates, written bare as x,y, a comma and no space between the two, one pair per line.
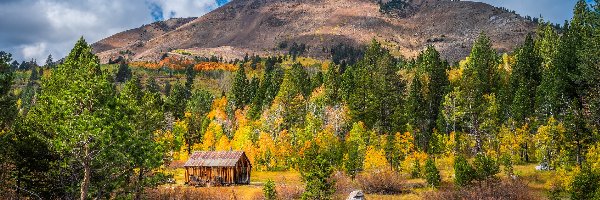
555,11
32,29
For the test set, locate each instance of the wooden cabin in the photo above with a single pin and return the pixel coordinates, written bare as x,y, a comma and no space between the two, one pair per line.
217,168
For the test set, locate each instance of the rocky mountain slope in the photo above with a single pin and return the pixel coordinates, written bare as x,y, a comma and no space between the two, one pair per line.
260,26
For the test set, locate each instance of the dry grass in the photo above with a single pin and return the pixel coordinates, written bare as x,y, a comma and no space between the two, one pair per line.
493,189
212,193
383,182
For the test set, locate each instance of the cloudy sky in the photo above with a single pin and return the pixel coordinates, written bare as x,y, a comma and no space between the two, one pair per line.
32,29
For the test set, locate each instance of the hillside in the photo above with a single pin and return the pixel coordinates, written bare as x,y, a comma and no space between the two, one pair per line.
259,26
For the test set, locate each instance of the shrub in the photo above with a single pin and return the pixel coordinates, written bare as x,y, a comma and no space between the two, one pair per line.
285,191
485,167
585,184
269,190
463,172
343,184
184,193
432,174
489,189
382,182
416,170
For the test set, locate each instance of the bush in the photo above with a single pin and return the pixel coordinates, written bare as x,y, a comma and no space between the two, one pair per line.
184,193
285,191
585,185
463,172
485,167
416,170
432,174
269,190
382,182
489,189
343,184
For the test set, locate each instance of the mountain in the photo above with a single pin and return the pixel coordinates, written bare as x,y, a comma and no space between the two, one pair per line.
263,26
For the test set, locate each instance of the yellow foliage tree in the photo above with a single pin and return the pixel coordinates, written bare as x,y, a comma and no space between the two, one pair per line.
218,109
265,152
415,157
284,150
375,159
213,132
548,142
223,144
404,144
242,137
593,156
511,142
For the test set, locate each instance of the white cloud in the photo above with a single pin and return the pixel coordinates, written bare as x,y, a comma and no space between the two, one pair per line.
36,28
62,17
35,51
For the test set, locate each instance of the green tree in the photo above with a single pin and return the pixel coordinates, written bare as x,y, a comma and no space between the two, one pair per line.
239,88
8,106
485,167
426,94
316,170
525,78
464,173
269,190
146,116
123,73
49,62
585,184
356,149
292,96
372,90
177,101
332,85
198,106
432,174
480,78
77,108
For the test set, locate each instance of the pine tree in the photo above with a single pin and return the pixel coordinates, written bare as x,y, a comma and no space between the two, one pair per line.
480,78
7,98
177,101
432,174
464,173
291,97
332,85
316,171
147,117
49,62
371,89
84,135
239,88
123,73
427,94
198,106
416,115
525,78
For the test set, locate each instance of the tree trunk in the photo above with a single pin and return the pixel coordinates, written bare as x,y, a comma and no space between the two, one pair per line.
139,186
87,172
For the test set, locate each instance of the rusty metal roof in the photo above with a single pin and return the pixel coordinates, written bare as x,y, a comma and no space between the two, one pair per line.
214,159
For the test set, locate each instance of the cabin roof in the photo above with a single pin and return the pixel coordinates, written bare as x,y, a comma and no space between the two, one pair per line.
214,159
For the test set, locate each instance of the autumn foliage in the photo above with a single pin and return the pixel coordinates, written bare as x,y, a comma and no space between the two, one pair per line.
176,63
